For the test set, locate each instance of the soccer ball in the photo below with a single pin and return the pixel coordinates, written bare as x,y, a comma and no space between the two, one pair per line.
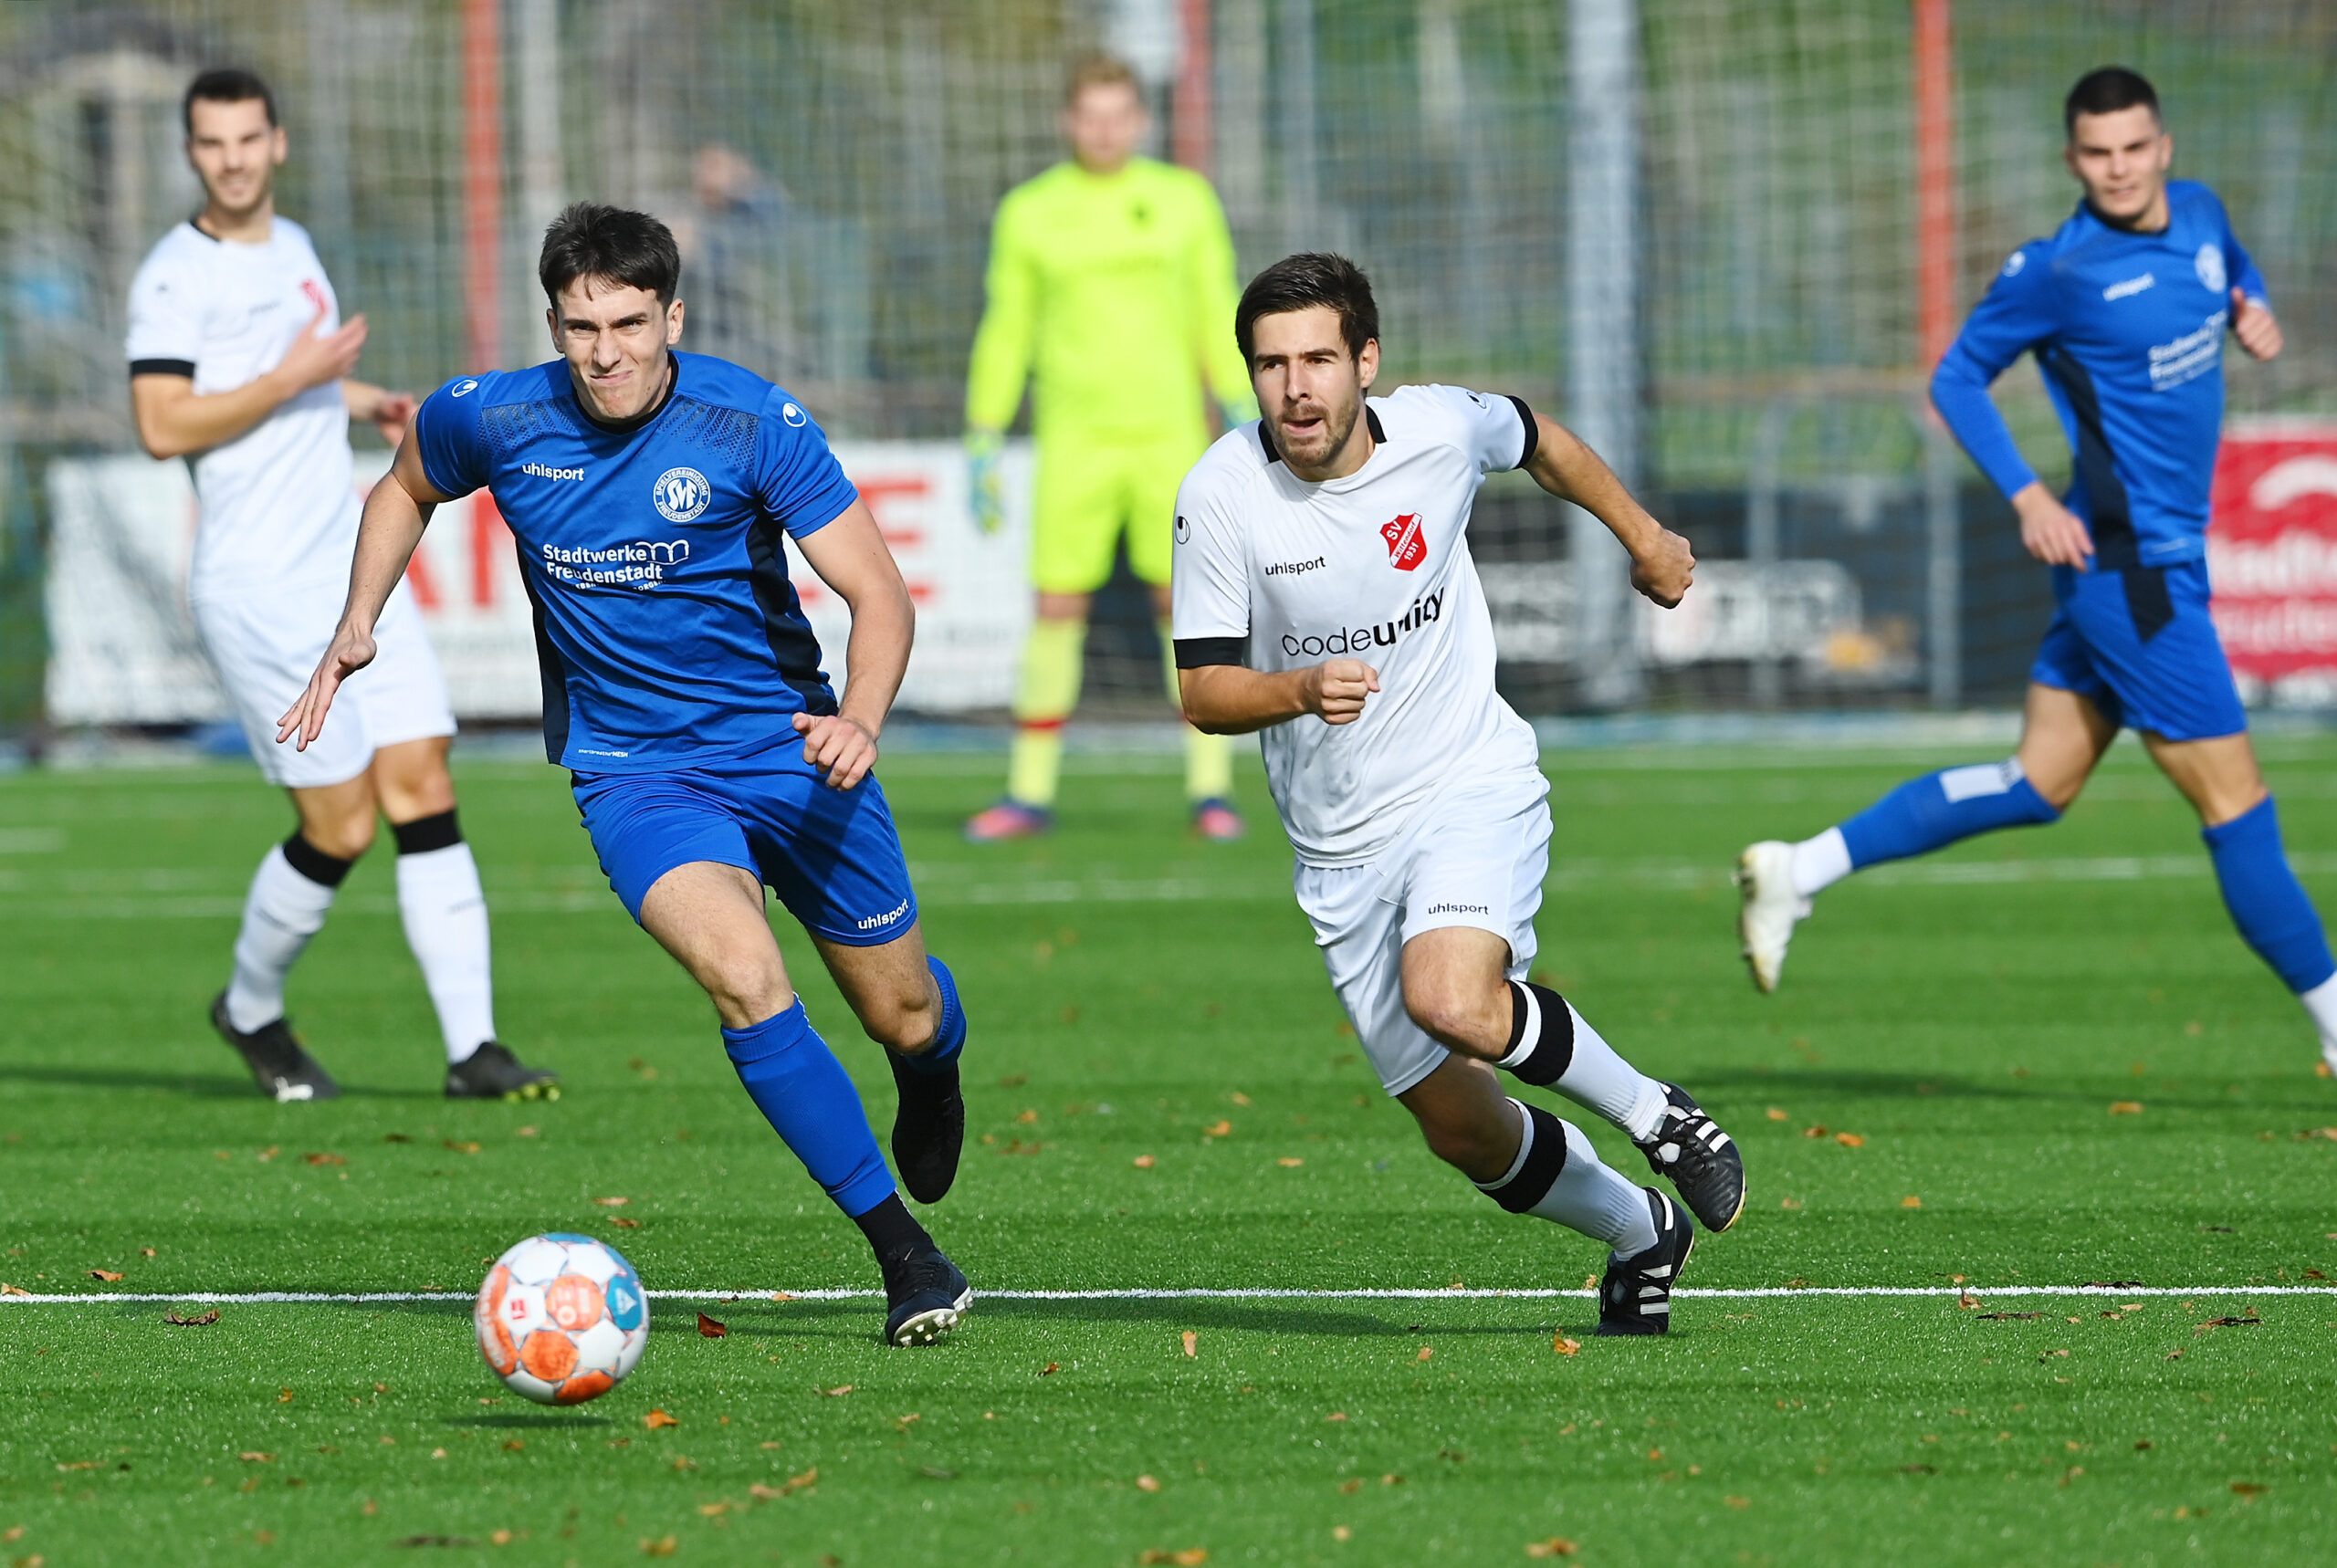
561,1318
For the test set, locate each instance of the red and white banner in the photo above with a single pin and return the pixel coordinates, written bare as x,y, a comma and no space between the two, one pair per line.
2272,558
123,649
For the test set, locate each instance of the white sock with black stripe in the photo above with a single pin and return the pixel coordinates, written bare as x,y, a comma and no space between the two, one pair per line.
1558,1176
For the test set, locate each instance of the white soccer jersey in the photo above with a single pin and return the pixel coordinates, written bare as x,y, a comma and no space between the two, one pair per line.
1375,566
278,505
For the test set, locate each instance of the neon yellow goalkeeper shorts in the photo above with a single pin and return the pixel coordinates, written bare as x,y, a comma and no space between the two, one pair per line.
1088,489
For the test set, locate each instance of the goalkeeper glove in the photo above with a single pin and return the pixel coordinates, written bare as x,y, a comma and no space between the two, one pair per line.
983,449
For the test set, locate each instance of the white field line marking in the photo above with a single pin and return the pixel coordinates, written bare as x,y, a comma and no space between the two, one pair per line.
1198,1294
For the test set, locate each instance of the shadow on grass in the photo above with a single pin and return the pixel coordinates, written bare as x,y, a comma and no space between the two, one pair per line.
204,1086
525,1421
854,1318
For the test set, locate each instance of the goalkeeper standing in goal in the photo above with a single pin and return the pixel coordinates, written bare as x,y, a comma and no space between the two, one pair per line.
1111,286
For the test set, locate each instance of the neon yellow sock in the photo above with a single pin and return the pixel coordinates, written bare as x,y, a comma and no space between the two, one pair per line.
1046,692
1209,759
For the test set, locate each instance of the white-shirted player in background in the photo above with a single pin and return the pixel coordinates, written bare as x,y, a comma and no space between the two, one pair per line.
1329,540
238,361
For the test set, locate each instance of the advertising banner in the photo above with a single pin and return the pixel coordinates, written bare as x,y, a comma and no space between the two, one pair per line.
2272,559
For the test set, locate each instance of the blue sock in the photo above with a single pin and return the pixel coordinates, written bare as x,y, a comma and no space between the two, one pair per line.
799,1087
950,1038
1924,814
2266,900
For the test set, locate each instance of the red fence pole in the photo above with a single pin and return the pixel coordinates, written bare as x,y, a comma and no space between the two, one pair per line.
1192,113
1935,182
483,179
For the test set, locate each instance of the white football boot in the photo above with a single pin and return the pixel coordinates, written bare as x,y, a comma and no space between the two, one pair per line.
1764,926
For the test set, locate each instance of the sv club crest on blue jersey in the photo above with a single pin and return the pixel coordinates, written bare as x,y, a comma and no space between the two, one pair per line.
2209,265
681,494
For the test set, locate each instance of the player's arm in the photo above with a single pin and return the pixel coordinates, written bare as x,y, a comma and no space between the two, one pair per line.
1001,362
2012,317
175,420
1230,699
851,557
385,411
2252,321
1663,566
395,514
1217,290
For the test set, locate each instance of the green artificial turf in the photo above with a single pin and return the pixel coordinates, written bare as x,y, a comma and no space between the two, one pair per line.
1971,1020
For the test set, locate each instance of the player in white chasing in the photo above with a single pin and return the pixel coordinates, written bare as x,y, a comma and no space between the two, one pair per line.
1325,595
239,361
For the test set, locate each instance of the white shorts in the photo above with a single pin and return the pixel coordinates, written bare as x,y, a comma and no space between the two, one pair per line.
1477,858
264,651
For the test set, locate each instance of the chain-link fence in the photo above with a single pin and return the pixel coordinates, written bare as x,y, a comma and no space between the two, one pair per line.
832,168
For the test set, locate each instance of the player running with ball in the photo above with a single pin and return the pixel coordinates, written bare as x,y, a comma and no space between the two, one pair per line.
651,493
2125,308
1325,595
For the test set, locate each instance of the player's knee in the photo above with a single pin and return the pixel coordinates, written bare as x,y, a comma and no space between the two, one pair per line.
907,1021
1457,1017
345,838
744,989
1462,1143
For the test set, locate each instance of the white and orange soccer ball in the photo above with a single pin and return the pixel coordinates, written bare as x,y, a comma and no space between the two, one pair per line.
561,1318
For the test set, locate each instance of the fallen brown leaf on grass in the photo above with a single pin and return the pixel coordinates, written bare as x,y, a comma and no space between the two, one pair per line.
1817,1131
1336,1415
1775,1114
1142,1162
1555,1546
523,1131
79,1465
2007,1317
1967,1301
1851,1140
1190,1557
1193,1344
621,1223
254,1457
1146,1483
460,1145
110,1276
284,1396
145,1251
1220,1128
613,1202
1290,1162
2174,1354
1739,1501
1426,1351
710,1329
836,1393
2231,1323
268,1153
1051,1369
2248,1489
201,1320
1348,1487
657,1418
2125,1107
712,1510
1565,1346
516,1445
662,1547
1911,1201
326,1159
8,1289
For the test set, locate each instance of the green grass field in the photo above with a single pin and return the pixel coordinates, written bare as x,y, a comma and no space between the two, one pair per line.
1974,1020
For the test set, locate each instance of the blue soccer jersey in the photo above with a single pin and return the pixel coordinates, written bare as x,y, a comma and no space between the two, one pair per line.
2128,329
668,630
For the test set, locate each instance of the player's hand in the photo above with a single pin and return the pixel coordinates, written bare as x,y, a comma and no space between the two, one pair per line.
392,415
1333,690
350,650
2252,324
316,357
1665,568
985,485
2050,531
837,746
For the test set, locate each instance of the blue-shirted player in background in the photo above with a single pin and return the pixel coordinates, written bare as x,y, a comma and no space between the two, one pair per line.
2125,308
649,491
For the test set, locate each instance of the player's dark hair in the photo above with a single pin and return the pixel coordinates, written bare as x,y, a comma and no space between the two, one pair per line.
1302,281
2106,91
225,84
591,240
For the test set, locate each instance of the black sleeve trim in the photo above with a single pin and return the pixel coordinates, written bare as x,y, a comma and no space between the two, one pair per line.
162,368
1201,652
1533,431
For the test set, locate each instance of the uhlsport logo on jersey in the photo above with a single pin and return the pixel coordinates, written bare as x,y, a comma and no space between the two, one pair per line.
1358,640
464,388
642,563
681,494
2209,265
1407,547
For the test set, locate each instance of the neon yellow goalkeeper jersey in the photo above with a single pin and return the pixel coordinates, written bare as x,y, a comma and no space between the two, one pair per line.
1094,282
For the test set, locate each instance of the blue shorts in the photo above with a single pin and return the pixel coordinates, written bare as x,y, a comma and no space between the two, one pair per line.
833,856
2138,643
